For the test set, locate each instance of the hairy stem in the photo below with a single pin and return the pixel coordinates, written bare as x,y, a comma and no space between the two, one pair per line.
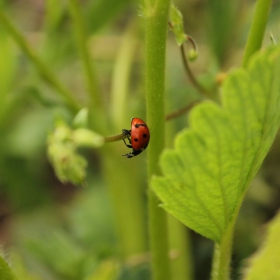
156,23
222,256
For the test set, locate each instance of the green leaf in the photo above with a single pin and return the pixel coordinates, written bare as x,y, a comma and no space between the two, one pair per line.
266,262
57,244
207,174
7,71
20,269
81,119
107,270
8,63
5,271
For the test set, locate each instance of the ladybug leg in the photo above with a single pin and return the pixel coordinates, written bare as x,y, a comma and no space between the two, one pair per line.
127,133
133,153
136,153
130,155
127,145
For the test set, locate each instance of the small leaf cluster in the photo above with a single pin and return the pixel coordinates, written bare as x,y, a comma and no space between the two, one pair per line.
63,144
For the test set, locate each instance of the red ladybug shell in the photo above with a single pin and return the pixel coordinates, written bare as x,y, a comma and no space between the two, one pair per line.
140,134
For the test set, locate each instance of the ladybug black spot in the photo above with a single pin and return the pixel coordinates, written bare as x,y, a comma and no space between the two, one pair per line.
144,135
136,139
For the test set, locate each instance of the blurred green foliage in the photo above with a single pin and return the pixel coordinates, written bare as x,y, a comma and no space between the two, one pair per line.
55,231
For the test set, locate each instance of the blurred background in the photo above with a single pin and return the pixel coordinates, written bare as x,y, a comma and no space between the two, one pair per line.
54,231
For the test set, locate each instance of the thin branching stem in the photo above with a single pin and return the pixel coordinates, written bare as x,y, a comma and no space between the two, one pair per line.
114,138
181,111
190,74
43,69
192,41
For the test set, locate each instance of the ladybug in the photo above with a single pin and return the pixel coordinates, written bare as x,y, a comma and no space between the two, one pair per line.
138,137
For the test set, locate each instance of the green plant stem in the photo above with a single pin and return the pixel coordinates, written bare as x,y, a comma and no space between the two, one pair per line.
114,138
39,64
180,245
156,19
79,26
125,188
222,255
257,29
223,249
128,202
121,75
